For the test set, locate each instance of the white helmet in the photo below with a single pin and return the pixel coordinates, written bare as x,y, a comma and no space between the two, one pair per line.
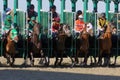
80,17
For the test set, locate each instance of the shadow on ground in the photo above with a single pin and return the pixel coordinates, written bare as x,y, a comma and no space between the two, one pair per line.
8,74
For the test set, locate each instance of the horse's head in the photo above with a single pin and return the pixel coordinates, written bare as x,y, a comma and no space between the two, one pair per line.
12,35
89,29
66,29
36,28
84,34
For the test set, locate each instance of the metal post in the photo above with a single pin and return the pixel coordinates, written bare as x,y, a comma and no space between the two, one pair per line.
62,10
28,3
107,8
39,8
5,3
116,6
85,9
51,2
95,5
15,13
73,5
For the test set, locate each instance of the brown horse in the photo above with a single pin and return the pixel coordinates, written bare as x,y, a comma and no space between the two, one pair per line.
10,48
35,45
84,46
105,45
60,47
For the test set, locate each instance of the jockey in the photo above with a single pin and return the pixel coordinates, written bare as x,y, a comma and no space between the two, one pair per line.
31,13
55,27
79,12
31,25
101,24
55,21
79,25
7,21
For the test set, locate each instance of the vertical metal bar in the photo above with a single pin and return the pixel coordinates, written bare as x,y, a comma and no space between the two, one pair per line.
85,9
51,3
15,12
28,3
5,4
116,6
95,5
107,8
39,8
62,10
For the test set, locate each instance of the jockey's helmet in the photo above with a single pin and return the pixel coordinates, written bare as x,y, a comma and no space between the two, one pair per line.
102,15
79,12
8,11
32,6
80,17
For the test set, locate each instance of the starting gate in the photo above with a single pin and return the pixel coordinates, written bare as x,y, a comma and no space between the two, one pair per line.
21,27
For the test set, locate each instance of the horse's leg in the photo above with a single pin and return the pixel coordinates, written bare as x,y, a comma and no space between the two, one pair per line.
108,58
31,59
8,58
100,58
76,56
61,59
56,61
42,57
85,58
13,60
115,60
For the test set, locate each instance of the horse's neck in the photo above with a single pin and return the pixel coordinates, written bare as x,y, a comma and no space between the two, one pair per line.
35,38
36,28
108,32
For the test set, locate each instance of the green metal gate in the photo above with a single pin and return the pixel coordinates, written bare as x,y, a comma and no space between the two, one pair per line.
21,26
0,34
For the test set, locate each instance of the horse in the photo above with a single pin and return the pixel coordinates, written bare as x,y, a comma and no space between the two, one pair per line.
83,46
10,47
105,45
60,45
34,44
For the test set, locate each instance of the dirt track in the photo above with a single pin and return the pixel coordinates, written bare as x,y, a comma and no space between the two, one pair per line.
61,73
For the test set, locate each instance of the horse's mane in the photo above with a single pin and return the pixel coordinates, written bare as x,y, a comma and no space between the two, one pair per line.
36,28
8,32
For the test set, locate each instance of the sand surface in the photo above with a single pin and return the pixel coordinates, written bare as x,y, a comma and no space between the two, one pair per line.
39,72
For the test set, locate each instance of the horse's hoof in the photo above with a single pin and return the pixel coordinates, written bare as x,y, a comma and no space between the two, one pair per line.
83,64
46,64
11,64
41,61
73,64
32,63
92,64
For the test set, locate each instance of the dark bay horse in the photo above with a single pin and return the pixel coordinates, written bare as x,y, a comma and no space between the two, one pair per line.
10,47
60,45
84,46
105,46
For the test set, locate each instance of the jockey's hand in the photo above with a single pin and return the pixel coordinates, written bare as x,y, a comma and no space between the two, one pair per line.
28,18
56,31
